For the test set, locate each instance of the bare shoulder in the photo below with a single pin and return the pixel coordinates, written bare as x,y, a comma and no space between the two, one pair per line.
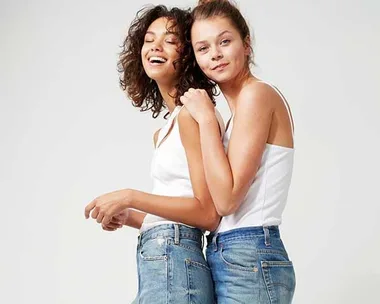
257,96
188,128
185,119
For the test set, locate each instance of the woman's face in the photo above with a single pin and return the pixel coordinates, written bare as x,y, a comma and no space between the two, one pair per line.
159,51
219,49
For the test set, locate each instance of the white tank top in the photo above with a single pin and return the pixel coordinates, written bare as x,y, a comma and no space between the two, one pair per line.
169,167
266,198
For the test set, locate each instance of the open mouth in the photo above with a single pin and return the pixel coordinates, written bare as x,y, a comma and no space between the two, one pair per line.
157,60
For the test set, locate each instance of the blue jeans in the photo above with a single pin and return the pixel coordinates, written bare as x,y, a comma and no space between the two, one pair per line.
172,268
250,266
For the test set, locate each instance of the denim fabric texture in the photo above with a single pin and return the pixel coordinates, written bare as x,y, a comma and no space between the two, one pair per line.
172,268
250,266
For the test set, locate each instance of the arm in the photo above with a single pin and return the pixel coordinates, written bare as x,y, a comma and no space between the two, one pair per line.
230,176
134,219
198,211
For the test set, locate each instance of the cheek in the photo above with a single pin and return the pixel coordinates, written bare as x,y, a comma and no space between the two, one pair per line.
143,53
201,60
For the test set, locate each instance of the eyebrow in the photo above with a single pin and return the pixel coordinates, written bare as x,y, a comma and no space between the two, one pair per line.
221,34
166,33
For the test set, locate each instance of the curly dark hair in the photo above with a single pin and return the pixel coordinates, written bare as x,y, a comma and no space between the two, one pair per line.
142,90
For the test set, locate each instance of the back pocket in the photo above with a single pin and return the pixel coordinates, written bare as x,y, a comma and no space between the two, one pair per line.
279,280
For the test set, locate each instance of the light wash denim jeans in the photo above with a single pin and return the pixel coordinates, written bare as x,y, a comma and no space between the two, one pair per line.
250,266
172,268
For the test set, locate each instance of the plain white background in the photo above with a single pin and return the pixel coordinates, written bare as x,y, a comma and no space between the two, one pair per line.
68,134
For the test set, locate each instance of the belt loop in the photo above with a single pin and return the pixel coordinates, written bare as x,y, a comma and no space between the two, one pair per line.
176,234
203,240
214,242
139,240
266,236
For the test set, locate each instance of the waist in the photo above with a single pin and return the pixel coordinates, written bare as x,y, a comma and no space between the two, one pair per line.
244,233
174,231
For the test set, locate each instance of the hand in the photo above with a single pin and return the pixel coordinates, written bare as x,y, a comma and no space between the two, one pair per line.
117,221
198,103
108,205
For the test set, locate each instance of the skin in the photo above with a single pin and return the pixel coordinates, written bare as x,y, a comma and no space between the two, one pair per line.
116,208
259,114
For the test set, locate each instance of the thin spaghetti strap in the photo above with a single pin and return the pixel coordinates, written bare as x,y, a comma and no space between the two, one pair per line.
284,100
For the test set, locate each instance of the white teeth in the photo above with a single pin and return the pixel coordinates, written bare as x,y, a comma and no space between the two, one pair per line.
157,59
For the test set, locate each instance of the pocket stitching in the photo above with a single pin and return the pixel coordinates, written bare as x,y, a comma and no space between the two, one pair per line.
197,264
268,278
238,267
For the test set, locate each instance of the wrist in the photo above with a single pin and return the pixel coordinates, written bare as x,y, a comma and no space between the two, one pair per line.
207,119
128,198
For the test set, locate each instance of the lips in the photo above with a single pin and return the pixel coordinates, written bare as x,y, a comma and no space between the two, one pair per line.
157,59
220,66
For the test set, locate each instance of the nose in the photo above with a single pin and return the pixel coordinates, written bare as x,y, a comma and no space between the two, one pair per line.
216,54
156,46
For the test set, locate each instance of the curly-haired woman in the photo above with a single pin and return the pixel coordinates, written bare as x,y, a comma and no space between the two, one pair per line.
171,264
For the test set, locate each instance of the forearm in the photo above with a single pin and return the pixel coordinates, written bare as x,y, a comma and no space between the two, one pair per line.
135,218
217,168
190,211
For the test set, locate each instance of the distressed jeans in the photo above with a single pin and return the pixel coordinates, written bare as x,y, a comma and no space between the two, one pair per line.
172,268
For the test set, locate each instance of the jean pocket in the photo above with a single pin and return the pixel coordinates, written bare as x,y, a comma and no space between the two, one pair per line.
154,249
240,258
200,284
279,280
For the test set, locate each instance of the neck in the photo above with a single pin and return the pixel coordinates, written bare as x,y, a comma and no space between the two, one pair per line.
232,88
167,93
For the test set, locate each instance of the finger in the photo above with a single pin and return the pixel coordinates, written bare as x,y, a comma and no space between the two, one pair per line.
110,212
116,221
183,99
191,90
95,212
100,217
88,208
108,228
113,225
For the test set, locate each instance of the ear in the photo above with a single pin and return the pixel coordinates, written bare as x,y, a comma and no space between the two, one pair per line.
247,46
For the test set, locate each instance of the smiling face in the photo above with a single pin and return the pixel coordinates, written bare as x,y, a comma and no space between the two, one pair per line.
160,51
219,49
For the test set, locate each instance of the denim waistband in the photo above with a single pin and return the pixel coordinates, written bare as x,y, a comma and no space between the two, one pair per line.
244,233
175,231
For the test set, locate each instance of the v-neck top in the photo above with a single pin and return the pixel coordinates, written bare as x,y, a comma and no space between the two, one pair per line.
169,167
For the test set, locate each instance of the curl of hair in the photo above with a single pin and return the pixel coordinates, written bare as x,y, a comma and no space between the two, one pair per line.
225,9
144,91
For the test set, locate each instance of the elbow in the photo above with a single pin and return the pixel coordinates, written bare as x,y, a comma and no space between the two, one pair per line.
226,208
212,221
210,218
